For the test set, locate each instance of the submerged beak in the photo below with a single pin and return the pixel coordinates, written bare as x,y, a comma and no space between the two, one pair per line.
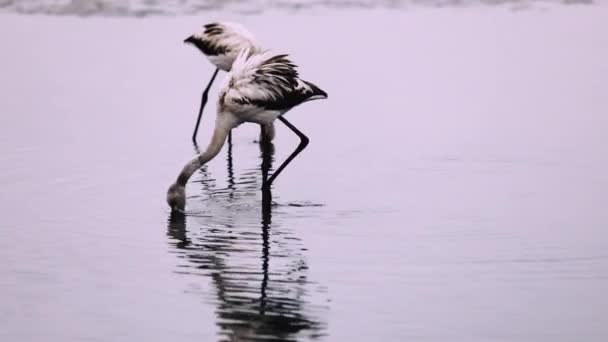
190,39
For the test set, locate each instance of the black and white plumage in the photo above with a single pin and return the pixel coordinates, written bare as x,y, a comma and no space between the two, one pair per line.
260,88
263,86
221,43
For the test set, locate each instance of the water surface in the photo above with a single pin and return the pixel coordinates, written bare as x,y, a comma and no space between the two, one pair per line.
453,189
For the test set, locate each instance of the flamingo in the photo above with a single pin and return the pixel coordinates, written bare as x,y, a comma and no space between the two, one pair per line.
221,43
260,88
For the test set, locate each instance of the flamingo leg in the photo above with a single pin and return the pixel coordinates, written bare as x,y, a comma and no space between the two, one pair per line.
203,102
303,143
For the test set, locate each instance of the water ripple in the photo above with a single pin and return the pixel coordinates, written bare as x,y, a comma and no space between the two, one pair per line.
256,267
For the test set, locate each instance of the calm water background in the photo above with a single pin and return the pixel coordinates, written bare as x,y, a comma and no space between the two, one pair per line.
454,188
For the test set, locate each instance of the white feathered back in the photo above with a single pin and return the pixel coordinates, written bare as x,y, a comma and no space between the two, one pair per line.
222,41
265,81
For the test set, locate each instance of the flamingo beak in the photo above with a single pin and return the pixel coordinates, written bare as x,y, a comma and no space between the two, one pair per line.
190,39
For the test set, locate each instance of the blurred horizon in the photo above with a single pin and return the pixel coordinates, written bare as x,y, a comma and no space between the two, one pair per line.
142,8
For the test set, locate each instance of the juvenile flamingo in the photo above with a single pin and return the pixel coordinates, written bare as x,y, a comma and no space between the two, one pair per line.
260,88
221,42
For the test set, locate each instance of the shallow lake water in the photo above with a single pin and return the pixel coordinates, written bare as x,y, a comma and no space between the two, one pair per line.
454,188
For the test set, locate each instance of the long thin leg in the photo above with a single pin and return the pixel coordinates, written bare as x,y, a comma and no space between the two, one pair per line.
266,132
203,102
266,136
303,142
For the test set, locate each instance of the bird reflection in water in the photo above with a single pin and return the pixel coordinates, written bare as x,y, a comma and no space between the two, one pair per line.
261,289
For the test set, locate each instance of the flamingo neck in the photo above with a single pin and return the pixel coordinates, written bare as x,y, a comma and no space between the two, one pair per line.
217,141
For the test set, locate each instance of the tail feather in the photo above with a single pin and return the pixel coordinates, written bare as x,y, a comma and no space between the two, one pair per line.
317,92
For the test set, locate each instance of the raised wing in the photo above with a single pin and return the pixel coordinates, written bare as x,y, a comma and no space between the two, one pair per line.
268,81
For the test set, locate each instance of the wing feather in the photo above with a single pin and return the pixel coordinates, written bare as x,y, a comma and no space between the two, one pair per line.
268,81
223,38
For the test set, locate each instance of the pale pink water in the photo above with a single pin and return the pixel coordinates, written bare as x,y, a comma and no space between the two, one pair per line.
454,188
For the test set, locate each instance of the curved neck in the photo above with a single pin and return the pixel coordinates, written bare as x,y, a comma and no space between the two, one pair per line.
214,147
